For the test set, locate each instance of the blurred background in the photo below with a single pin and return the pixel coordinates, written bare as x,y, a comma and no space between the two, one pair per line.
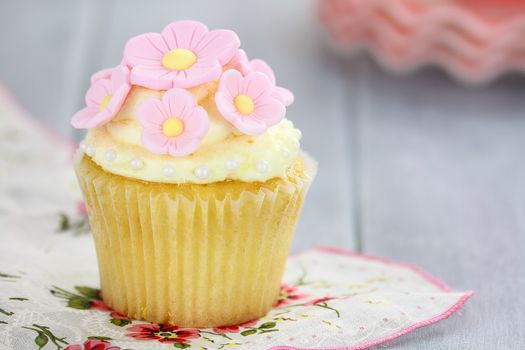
425,167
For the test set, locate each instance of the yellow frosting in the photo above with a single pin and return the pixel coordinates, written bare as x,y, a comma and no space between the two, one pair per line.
224,154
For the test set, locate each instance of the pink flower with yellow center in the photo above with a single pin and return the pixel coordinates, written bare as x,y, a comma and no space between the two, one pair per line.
174,125
247,102
241,63
103,99
185,54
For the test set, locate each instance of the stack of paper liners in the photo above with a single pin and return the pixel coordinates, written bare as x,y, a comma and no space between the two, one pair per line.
192,255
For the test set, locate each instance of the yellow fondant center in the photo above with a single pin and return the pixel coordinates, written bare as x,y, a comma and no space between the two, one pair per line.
104,102
244,104
179,59
172,127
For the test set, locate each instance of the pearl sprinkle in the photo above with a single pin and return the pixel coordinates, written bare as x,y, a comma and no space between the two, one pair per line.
90,150
262,166
110,155
231,164
168,171
202,172
136,164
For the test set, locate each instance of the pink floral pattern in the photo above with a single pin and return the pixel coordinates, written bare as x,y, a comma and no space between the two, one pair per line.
234,328
184,54
246,102
103,99
162,333
289,294
174,125
93,344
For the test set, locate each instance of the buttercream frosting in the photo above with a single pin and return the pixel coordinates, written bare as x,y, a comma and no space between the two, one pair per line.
187,106
226,153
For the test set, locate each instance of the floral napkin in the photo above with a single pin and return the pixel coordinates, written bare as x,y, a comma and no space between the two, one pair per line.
330,299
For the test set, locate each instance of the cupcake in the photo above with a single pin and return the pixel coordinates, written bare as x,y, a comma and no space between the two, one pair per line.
193,178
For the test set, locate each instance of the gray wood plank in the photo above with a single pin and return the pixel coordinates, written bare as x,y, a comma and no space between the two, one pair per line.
443,186
39,42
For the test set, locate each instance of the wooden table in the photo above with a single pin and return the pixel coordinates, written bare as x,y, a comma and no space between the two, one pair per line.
418,169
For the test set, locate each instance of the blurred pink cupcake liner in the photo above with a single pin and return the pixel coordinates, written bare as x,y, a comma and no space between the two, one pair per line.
472,43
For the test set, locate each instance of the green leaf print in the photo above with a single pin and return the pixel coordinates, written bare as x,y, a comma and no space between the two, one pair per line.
7,313
248,332
267,325
5,275
97,337
79,303
78,227
64,224
44,335
88,292
41,340
181,345
120,322
18,299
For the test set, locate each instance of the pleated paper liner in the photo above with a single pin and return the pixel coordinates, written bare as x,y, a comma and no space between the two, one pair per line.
475,41
192,255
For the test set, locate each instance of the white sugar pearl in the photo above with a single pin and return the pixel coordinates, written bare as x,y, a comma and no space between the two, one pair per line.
110,155
90,150
202,172
136,163
231,164
168,171
285,152
262,166
82,146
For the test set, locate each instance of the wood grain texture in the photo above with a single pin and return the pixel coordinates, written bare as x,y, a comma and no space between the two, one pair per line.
443,187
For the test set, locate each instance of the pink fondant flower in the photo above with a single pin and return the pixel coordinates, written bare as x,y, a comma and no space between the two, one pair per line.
246,102
184,54
104,73
174,125
241,63
280,93
101,74
103,99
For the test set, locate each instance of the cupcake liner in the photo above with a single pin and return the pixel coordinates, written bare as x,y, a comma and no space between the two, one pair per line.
474,42
192,255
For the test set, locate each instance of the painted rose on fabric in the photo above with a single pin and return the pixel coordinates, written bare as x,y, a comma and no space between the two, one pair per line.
93,344
185,54
103,99
289,294
247,103
162,333
174,125
234,328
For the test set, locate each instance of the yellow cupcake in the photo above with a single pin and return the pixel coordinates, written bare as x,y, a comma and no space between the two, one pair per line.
192,207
